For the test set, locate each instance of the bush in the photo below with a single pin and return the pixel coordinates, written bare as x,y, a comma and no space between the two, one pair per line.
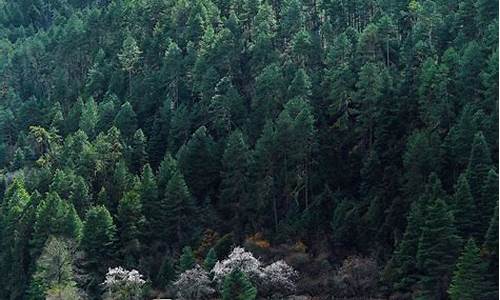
357,277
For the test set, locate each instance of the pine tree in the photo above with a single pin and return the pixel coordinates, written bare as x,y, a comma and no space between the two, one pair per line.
131,223
89,117
80,195
129,56
300,86
14,239
98,239
236,286
437,249
489,192
168,167
464,210
477,173
490,248
126,120
167,273
210,260
148,191
178,210
198,163
235,185
468,281
404,259
187,260
138,155
159,138
54,217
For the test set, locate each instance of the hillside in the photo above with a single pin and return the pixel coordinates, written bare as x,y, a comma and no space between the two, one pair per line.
350,147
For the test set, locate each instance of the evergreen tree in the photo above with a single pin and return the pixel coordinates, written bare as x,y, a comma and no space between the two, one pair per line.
468,280
131,222
235,185
464,210
477,173
89,117
167,273
167,169
437,249
138,155
98,240
490,248
54,217
159,138
187,260
179,210
237,286
80,195
404,259
148,191
126,120
198,163
210,260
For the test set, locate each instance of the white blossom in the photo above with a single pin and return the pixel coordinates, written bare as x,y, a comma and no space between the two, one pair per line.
123,283
194,284
238,259
279,277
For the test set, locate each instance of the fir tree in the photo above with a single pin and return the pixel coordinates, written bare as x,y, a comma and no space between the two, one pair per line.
210,260
187,260
167,273
126,120
237,286
98,239
178,209
437,249
198,163
235,185
464,210
404,260
131,222
468,281
490,248
138,155
477,173
148,191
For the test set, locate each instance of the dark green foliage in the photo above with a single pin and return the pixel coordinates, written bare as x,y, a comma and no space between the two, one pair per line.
438,247
331,125
464,209
477,175
235,197
54,216
178,210
210,260
490,247
187,260
126,120
468,281
237,286
404,259
131,222
98,239
167,273
198,162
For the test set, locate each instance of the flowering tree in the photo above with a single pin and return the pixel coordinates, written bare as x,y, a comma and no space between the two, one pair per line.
241,260
123,284
279,278
194,284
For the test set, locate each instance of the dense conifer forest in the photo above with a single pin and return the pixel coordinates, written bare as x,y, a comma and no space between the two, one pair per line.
249,149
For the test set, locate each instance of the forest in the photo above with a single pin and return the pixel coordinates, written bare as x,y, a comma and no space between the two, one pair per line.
249,149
